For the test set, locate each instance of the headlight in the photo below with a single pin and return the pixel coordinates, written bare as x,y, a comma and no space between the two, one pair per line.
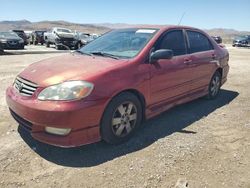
21,41
70,90
3,41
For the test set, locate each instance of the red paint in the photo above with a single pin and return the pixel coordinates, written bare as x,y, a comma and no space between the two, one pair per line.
163,84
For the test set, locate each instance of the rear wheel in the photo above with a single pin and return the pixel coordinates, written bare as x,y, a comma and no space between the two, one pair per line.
214,86
121,118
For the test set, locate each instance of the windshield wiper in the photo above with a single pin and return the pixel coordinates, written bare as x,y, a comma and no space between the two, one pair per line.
105,54
84,53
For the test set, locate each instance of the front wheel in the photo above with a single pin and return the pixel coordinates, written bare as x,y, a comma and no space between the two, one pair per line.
214,86
47,44
121,118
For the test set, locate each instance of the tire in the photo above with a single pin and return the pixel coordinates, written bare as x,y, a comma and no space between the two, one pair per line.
79,45
47,44
214,86
121,118
58,47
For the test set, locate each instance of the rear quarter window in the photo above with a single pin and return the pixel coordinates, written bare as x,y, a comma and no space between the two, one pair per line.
198,42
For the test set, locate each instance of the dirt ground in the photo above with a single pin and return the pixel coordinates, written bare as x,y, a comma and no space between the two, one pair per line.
204,142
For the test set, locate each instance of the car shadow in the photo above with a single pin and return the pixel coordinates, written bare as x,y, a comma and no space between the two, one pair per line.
171,121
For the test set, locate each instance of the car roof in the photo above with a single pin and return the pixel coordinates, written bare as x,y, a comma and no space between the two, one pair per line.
161,27
17,30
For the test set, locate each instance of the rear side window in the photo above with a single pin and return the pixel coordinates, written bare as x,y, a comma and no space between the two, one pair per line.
198,42
173,40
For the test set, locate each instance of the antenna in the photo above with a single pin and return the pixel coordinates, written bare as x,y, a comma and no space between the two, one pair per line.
181,18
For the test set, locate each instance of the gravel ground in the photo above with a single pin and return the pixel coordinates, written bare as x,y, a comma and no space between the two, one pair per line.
204,142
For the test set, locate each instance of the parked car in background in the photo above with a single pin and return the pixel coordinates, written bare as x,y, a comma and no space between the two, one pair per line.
83,39
21,34
37,37
242,41
60,37
1,48
108,87
217,39
11,40
28,35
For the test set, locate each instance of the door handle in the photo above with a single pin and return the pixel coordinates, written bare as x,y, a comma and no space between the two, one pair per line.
188,61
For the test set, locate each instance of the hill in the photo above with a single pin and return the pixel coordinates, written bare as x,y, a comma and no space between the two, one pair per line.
46,25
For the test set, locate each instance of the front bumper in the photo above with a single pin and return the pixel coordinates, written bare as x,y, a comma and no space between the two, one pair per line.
83,117
69,43
10,45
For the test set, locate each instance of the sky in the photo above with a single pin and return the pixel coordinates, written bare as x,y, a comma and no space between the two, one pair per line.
231,14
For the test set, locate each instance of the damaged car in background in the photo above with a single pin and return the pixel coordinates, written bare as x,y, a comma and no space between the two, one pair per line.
217,39
11,40
37,37
62,38
84,38
21,34
242,41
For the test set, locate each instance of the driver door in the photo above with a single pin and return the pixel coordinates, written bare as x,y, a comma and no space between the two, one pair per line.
170,78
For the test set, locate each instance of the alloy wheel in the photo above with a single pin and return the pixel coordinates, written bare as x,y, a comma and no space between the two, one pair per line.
124,119
215,86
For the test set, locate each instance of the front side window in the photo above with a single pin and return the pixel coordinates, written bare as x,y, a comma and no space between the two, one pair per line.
173,40
198,42
123,43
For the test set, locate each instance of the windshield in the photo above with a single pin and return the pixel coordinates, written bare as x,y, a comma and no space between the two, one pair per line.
123,43
8,34
64,30
240,37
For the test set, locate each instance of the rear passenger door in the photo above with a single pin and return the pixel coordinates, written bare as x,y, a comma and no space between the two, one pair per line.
202,59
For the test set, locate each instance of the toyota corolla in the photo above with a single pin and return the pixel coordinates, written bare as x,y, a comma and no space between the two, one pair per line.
107,88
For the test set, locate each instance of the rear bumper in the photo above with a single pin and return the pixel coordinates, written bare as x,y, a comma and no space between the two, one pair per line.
83,117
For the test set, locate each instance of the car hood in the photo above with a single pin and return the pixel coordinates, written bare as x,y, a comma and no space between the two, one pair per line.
65,35
68,67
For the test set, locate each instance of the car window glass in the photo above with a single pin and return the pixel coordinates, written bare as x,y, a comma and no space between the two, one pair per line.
198,42
174,40
125,43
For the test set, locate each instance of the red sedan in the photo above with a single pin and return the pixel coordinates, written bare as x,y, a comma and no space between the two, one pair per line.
108,87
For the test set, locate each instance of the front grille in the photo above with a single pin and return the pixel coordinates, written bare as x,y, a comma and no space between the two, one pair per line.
13,42
25,87
22,122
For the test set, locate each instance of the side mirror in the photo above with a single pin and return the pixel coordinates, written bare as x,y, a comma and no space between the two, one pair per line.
161,54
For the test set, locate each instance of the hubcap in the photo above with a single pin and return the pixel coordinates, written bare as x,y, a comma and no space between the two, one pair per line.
215,85
124,119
